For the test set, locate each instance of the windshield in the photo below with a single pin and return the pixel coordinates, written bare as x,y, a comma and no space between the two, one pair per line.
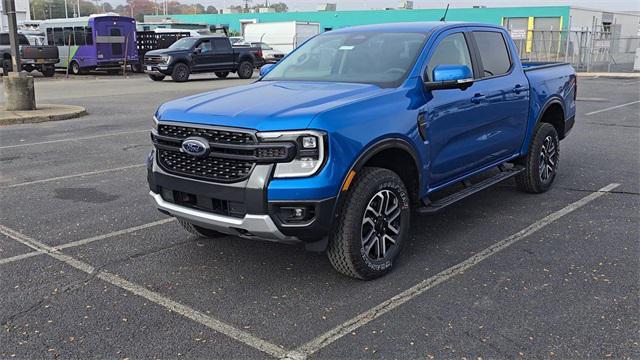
383,59
183,44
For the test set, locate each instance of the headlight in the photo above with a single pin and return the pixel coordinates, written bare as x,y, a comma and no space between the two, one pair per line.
166,59
310,153
155,123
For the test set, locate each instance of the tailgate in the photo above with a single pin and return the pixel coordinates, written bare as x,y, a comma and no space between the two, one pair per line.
39,52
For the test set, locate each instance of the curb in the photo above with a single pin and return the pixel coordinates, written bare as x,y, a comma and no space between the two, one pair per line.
44,112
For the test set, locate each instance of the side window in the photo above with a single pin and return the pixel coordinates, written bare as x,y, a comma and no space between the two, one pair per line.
22,40
221,44
452,50
493,52
50,40
4,39
58,36
88,35
205,46
68,36
79,35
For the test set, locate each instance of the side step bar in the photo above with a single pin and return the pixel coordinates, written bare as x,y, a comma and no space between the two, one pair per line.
437,205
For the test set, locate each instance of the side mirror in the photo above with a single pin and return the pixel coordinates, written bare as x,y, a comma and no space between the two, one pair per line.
264,70
197,50
450,77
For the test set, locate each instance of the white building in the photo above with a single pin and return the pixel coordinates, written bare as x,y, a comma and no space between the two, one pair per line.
22,14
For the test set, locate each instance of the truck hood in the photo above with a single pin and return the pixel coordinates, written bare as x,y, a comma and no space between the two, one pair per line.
160,52
265,105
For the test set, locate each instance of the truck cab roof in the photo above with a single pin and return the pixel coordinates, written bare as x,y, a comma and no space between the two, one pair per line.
425,26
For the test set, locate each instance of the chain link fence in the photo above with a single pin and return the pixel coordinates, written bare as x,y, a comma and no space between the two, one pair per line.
596,51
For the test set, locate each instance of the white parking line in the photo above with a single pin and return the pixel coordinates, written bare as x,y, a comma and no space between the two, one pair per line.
73,176
184,310
87,240
611,108
75,139
388,305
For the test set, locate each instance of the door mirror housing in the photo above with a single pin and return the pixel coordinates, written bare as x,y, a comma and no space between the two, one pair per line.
197,50
450,77
264,70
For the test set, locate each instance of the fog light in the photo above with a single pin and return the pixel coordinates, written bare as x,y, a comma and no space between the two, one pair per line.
296,214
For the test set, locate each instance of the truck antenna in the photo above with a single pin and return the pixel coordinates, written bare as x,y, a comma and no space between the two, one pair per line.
444,17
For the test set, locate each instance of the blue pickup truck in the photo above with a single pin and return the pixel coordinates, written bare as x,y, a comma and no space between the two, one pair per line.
353,135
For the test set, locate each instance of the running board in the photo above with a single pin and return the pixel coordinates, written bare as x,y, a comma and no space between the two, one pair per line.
467,191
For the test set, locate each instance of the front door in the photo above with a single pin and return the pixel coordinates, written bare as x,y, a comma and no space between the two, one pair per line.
454,118
203,56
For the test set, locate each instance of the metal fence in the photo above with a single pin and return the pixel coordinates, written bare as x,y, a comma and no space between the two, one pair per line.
585,50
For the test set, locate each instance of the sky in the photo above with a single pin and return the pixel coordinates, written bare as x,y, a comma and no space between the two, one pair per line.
310,5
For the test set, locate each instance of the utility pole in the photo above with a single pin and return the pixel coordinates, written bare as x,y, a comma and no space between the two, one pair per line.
66,11
19,93
79,8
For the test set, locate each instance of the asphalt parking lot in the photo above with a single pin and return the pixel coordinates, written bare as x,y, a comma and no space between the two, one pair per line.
89,268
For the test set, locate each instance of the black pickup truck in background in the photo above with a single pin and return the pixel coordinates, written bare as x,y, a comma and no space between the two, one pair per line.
32,57
202,54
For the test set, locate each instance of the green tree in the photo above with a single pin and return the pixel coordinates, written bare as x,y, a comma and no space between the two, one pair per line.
211,9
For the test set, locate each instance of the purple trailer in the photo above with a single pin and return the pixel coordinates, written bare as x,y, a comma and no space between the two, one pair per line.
103,41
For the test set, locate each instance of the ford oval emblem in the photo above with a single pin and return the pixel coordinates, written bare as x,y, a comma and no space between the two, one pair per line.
196,146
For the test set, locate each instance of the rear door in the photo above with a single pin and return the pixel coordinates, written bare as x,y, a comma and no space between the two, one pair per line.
504,89
224,55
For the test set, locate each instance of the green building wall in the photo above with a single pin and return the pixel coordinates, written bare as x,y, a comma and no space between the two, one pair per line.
340,19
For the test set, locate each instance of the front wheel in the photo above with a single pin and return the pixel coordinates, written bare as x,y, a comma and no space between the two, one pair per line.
155,77
245,70
76,69
7,66
180,72
372,228
541,162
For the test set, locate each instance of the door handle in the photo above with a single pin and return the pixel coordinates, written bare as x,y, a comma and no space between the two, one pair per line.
518,88
478,98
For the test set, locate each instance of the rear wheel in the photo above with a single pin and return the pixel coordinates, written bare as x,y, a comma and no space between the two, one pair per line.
48,71
245,70
541,162
155,77
222,74
372,228
136,67
7,67
200,231
180,72
75,68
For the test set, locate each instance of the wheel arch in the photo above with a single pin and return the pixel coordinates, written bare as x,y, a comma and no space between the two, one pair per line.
406,163
553,113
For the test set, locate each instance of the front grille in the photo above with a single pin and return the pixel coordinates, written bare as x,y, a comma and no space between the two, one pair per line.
213,135
153,60
209,168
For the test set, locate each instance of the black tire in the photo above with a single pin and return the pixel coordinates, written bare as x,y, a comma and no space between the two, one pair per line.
7,66
155,77
200,231
75,69
356,230
222,74
180,72
541,162
48,71
245,70
137,68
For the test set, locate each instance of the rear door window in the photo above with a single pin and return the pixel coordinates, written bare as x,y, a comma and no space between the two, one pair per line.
452,50
221,45
493,53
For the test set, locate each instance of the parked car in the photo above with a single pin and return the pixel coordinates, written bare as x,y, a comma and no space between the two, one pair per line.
32,57
270,54
336,144
202,54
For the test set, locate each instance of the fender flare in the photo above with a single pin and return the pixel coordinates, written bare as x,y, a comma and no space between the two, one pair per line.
374,149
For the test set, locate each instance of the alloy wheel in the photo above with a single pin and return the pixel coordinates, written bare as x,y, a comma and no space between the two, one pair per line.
548,159
381,225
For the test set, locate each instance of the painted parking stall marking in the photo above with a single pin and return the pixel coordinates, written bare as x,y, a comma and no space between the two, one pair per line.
159,299
90,173
611,108
366,317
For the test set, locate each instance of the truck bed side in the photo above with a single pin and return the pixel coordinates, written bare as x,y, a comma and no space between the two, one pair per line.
553,88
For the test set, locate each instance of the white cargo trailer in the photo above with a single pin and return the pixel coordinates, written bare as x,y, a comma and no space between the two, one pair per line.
282,36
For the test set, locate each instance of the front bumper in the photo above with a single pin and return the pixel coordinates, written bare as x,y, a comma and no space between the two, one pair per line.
249,214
